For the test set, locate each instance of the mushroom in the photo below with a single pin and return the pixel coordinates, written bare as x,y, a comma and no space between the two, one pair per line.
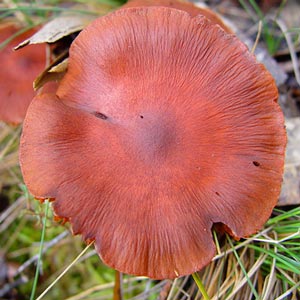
163,125
189,7
18,70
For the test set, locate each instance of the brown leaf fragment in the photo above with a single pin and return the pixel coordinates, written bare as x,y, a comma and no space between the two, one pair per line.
61,67
54,72
57,29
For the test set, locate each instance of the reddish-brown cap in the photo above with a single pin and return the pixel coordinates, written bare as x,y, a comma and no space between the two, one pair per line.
186,6
163,125
17,73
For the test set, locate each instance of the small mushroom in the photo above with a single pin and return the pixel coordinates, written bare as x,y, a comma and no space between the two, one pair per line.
163,125
17,73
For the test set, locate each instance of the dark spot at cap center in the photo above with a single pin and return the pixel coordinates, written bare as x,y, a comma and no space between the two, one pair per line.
155,137
256,163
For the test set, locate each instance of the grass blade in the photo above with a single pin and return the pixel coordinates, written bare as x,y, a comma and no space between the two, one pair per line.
37,271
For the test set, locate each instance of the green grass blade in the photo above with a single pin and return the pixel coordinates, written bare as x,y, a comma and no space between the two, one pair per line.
200,285
37,271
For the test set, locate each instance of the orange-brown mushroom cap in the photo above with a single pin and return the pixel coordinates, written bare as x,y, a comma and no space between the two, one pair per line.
163,125
17,73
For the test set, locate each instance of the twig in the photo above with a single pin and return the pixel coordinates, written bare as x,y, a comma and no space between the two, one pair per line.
257,36
11,208
11,214
9,286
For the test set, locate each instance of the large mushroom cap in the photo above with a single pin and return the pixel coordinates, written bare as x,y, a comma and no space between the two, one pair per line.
17,73
163,125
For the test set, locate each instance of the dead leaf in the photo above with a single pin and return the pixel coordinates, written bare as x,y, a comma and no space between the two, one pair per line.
57,29
61,67
54,72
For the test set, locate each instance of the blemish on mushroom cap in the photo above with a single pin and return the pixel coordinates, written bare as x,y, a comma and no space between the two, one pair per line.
149,205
